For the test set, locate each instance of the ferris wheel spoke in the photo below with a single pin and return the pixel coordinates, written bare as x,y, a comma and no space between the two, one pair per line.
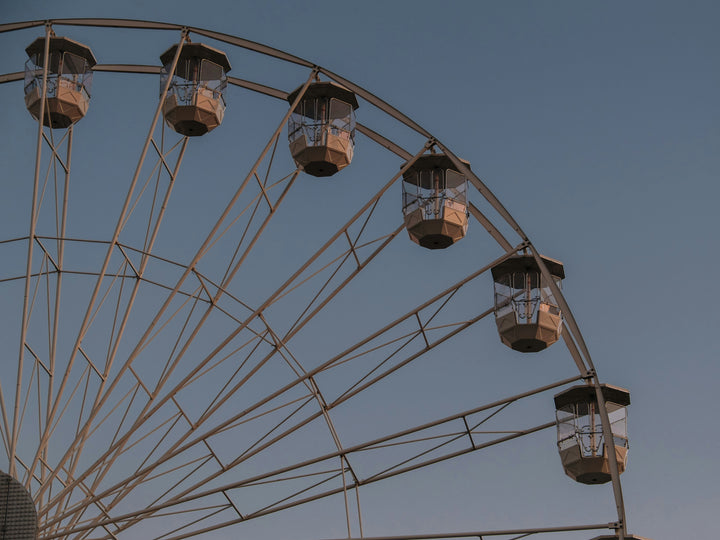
29,259
105,462
56,159
84,325
318,467
256,442
123,313
209,512
325,293
46,467
205,362
307,272
312,386
167,371
129,398
143,476
139,273
40,351
126,488
302,379
93,358
156,173
164,428
102,510
201,252
416,326
432,316
302,274
5,427
221,345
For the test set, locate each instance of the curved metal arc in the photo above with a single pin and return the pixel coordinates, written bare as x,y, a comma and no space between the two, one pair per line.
12,77
312,385
101,23
9,27
253,46
521,533
480,534
242,83
489,227
602,409
377,102
152,25
575,353
484,191
383,141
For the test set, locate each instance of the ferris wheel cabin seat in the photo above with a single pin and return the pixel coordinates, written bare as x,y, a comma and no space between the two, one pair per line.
526,313
580,433
435,202
321,128
69,78
195,102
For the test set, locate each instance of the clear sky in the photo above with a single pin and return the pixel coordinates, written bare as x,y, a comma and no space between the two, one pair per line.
597,124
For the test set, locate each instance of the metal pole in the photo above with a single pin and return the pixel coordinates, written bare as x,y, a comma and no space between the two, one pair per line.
31,240
88,313
58,289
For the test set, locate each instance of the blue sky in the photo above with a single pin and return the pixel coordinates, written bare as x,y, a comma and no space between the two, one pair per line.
598,127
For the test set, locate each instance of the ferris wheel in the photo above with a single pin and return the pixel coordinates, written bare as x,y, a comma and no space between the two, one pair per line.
232,300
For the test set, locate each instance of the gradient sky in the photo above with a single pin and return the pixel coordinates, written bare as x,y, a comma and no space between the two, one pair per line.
597,124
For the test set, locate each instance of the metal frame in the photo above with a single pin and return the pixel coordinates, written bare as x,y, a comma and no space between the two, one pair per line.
77,497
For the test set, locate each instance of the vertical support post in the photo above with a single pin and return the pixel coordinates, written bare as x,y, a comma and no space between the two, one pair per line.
58,289
28,268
